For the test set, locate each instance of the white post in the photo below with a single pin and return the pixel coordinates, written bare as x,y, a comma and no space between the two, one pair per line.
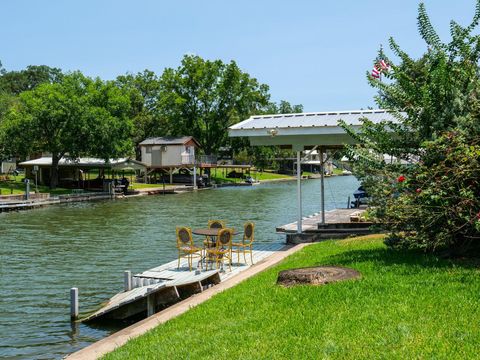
74,303
194,169
127,280
322,185
299,194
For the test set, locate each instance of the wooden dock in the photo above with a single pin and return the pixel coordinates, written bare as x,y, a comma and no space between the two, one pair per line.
339,223
157,288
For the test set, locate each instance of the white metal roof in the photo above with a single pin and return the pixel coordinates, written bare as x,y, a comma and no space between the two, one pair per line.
86,162
305,129
314,119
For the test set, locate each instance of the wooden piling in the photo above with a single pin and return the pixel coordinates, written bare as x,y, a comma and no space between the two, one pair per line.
74,303
150,304
127,280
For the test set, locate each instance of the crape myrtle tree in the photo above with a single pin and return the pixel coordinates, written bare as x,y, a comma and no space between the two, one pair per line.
429,200
73,117
202,98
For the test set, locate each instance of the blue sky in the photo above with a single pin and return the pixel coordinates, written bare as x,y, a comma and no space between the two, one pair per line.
309,52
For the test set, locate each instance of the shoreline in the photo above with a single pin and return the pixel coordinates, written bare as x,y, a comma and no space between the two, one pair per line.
17,202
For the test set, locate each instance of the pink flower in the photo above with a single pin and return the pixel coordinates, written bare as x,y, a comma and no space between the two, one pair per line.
401,178
419,190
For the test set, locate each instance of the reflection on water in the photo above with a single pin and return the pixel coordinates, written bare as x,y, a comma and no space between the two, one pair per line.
45,252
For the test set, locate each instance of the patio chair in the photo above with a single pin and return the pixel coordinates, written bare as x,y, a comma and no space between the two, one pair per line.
213,224
222,250
247,242
185,246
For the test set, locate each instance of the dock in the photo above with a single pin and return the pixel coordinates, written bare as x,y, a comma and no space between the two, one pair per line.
339,223
153,290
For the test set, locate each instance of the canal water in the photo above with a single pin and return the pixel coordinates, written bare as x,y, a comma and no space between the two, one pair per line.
45,252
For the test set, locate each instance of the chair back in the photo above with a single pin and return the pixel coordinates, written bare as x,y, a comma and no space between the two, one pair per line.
184,236
216,224
224,238
248,232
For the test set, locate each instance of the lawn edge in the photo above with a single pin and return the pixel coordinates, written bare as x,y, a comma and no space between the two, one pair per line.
110,343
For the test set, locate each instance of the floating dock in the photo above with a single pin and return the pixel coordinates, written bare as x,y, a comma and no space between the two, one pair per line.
155,289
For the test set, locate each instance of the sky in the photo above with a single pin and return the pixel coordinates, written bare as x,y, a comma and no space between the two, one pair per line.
310,52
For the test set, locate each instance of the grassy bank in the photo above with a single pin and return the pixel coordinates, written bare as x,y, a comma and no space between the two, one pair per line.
18,187
407,305
260,176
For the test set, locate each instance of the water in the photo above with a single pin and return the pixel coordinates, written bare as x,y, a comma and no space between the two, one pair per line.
45,252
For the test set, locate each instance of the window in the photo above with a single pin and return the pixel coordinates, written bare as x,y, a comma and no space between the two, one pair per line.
148,149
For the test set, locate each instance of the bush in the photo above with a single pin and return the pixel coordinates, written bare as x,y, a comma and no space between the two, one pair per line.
436,205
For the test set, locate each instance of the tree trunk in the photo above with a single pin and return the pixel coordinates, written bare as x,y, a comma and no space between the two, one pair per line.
54,171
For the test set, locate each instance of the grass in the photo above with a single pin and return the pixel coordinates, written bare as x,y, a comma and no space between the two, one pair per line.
18,187
261,176
135,185
407,305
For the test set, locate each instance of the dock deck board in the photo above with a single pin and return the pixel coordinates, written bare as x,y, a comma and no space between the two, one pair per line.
310,223
169,276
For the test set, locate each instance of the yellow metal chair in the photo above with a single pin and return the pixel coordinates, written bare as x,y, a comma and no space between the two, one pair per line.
185,246
247,242
213,224
222,250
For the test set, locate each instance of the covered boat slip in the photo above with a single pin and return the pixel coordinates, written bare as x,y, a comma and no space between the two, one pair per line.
157,288
307,131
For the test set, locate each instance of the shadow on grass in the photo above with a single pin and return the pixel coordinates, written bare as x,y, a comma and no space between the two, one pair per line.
390,257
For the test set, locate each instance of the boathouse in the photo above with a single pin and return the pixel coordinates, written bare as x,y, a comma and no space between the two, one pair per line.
85,172
169,155
316,131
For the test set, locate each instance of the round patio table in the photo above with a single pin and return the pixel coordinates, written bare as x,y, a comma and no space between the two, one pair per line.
213,233
210,231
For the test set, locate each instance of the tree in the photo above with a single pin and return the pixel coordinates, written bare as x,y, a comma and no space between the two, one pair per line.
15,82
264,156
432,98
202,98
76,116
144,91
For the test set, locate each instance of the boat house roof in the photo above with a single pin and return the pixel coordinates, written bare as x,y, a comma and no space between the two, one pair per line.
87,162
305,129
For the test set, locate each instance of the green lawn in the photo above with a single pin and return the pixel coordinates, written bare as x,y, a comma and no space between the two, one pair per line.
19,188
407,305
261,176
145,186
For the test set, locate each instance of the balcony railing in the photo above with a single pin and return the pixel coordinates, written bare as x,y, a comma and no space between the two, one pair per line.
187,159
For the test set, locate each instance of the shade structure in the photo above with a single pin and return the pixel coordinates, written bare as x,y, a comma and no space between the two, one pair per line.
320,130
128,164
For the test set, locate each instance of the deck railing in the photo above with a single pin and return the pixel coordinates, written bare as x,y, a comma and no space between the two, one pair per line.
187,159
207,159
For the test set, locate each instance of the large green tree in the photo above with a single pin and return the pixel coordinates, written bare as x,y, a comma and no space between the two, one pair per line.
202,98
15,82
435,100
73,117
146,112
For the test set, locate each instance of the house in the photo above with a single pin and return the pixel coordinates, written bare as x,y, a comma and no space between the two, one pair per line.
7,166
169,154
